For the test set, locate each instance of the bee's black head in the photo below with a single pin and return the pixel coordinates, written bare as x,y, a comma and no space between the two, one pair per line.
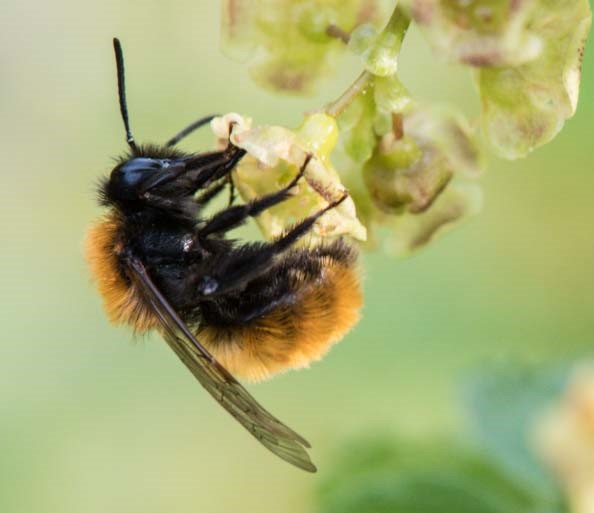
159,178
135,174
144,167
127,180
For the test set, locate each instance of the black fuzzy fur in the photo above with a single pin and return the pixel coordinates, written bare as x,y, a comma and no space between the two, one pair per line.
185,253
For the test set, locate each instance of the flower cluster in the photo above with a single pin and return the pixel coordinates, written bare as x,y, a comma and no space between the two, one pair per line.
275,155
407,165
528,56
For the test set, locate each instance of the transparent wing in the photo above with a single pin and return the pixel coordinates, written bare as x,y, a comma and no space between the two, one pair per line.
269,431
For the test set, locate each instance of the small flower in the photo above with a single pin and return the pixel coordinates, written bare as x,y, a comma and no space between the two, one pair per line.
478,32
410,156
565,438
288,41
528,55
525,106
275,155
410,173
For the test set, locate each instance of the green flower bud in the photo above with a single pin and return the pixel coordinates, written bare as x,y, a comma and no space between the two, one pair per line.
406,183
414,162
405,177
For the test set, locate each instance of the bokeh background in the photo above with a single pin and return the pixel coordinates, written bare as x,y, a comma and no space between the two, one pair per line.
91,420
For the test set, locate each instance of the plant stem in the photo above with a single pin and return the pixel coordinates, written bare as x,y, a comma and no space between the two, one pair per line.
398,25
338,33
337,107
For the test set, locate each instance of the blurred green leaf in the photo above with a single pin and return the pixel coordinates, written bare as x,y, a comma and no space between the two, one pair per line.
381,475
504,405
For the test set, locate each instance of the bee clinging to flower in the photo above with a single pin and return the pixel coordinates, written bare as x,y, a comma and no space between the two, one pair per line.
250,309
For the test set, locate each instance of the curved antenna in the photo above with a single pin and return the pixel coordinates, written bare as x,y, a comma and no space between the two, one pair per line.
119,55
190,128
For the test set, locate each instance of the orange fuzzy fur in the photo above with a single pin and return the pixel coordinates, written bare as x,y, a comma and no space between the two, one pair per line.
121,301
290,336
287,337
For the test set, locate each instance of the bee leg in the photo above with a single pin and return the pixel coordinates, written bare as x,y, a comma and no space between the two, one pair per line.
201,167
201,174
185,209
238,269
231,190
211,193
189,129
234,216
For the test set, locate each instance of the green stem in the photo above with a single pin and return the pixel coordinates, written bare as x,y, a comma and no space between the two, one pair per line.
398,23
337,107
396,26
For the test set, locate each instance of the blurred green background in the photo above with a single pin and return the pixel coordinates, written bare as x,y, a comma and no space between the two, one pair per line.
92,421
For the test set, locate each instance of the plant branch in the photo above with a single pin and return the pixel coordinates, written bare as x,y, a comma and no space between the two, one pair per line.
338,33
337,107
396,26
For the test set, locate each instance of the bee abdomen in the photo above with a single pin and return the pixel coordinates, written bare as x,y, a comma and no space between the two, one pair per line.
293,335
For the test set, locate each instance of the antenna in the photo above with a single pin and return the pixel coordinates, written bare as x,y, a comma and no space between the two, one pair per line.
119,55
190,128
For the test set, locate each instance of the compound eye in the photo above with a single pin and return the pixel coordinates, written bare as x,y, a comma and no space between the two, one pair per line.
133,172
127,178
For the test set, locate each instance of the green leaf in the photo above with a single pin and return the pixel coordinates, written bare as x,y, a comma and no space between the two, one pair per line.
382,475
504,405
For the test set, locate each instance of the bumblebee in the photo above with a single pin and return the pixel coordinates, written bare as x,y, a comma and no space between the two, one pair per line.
225,308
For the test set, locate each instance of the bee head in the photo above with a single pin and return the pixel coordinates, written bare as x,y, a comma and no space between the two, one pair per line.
128,180
143,168
132,179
